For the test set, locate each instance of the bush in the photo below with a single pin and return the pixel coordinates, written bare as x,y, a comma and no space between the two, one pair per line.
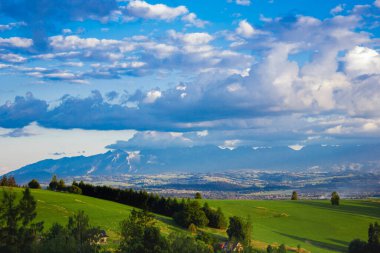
33,184
74,189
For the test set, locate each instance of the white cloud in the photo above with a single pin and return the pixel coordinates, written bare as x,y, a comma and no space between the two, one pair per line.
246,30
243,2
296,147
192,19
377,3
230,144
74,42
12,25
12,58
337,9
152,96
142,9
362,61
16,42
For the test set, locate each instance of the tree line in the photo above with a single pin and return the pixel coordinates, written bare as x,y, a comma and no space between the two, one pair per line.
184,212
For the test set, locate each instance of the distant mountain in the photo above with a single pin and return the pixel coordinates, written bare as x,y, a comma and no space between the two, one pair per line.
203,159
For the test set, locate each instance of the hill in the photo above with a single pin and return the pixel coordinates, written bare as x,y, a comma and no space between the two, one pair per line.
57,207
315,225
203,159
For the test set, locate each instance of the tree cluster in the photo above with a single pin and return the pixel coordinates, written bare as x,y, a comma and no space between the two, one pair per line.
8,181
371,246
140,235
60,185
77,236
184,212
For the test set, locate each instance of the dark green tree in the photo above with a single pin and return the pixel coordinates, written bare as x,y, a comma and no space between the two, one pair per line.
294,195
53,183
373,237
216,217
139,234
34,184
17,232
239,230
358,246
84,235
335,199
187,244
78,236
61,185
198,195
191,213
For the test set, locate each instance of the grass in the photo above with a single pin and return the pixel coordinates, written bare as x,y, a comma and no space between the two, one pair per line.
315,225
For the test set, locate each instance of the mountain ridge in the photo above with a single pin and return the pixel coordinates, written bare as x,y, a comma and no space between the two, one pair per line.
202,159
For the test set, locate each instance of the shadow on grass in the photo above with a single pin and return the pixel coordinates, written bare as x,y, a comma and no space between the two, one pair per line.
319,244
365,208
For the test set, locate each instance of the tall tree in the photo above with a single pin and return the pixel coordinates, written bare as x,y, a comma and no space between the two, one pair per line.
17,232
294,195
240,230
139,234
53,183
335,199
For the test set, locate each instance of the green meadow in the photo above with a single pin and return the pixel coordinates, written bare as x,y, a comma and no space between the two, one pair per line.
315,225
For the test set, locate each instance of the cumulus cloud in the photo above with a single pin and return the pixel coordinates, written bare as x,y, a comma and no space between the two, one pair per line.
362,61
192,19
142,9
16,42
246,30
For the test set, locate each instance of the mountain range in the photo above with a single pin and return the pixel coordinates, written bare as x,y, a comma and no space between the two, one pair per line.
204,159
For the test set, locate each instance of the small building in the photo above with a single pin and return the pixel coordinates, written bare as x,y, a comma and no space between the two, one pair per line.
103,237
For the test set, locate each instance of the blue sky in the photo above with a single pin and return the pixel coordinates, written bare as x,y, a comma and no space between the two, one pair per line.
78,76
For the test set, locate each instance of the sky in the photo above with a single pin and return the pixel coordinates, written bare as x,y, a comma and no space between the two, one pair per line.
81,76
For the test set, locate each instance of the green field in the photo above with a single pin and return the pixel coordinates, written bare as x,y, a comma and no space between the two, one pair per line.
315,225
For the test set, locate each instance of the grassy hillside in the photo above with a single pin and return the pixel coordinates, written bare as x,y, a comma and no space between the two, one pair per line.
315,225
57,207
